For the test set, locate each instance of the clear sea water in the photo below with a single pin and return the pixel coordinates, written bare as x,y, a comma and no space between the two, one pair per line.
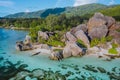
8,39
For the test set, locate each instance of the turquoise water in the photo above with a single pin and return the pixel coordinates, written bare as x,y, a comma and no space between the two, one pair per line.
74,64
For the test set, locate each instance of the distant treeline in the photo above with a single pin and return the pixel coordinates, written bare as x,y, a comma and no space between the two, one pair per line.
50,23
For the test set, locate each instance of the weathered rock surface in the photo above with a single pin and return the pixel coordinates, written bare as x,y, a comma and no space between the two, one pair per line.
115,35
115,26
98,32
110,21
69,37
56,55
79,27
82,36
96,21
72,49
99,24
42,35
24,45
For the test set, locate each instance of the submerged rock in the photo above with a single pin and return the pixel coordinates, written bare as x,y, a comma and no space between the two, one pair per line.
102,70
90,68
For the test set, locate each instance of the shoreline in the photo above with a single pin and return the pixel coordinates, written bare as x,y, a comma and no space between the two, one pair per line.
48,52
15,28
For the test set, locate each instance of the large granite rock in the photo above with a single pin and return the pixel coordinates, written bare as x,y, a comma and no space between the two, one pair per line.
56,55
99,24
79,27
82,36
19,45
42,35
115,26
98,32
71,49
110,21
96,21
69,37
116,36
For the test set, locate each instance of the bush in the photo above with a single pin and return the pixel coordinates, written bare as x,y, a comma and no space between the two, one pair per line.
94,42
55,43
81,43
113,51
114,45
103,40
109,38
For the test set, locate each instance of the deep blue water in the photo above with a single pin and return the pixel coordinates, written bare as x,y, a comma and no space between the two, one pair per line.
8,39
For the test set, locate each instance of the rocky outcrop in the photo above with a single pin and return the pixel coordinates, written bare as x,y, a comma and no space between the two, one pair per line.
43,35
82,36
82,27
72,49
56,55
98,25
69,37
115,35
24,45
98,32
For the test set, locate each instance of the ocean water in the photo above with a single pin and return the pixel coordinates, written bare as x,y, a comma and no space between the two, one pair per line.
76,65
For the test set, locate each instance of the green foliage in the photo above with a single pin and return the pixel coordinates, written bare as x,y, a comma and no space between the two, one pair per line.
114,45
34,33
109,38
118,30
113,51
81,43
113,11
103,40
69,11
55,43
94,42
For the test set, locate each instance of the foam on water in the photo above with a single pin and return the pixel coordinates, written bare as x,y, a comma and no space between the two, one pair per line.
7,50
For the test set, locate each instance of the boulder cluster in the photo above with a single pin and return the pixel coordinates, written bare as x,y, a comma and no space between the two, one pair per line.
24,45
97,27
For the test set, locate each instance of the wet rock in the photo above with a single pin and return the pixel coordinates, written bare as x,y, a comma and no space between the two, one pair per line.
78,72
1,58
63,67
57,55
113,69
38,73
71,73
90,68
21,46
21,75
115,77
102,70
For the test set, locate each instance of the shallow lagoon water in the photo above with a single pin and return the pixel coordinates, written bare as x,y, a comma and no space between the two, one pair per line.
8,39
